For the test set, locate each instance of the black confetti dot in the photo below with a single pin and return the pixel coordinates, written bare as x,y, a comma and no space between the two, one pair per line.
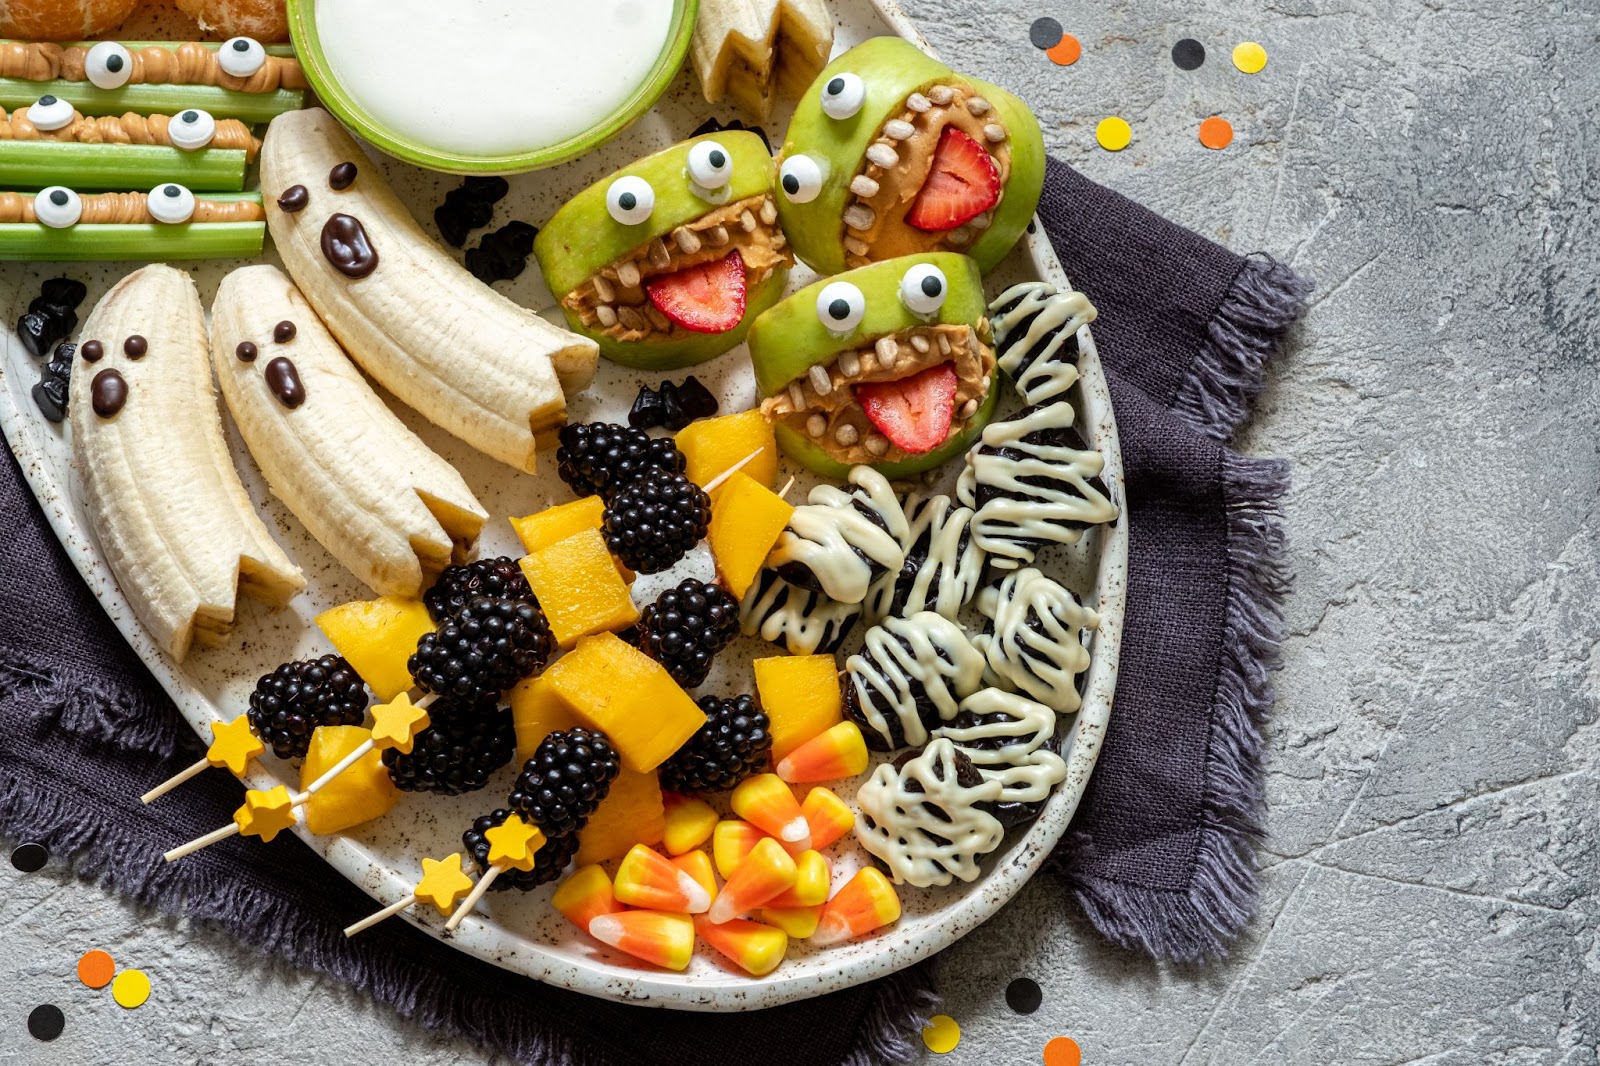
1023,995
1189,54
46,1022
30,857
1045,33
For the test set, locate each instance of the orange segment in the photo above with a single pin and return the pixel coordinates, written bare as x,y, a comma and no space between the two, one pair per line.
731,842
690,822
828,816
648,879
837,753
765,873
812,879
665,940
766,803
866,902
585,896
755,949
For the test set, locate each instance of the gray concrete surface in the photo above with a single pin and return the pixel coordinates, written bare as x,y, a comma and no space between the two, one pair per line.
1429,889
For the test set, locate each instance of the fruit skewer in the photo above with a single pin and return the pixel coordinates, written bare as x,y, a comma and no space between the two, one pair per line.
444,882
512,845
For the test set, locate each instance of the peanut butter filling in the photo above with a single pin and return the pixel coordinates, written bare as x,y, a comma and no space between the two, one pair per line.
821,404
105,208
124,129
614,302
190,63
897,164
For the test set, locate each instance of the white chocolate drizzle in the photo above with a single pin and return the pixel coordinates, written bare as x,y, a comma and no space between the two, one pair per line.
924,659
803,621
934,832
1036,338
1009,738
835,541
949,562
1033,643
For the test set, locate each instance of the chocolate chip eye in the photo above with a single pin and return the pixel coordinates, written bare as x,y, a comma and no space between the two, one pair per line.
192,129
170,203
801,178
241,56
50,113
57,207
843,95
108,65
710,166
923,289
840,307
630,200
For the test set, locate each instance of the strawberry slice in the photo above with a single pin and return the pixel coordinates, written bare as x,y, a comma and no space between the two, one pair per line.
914,412
708,298
963,183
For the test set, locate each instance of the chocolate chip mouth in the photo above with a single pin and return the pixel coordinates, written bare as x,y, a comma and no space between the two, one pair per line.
821,404
614,301
897,164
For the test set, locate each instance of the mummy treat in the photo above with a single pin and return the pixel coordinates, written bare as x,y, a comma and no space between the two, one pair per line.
666,262
924,816
887,366
943,561
1033,642
1010,739
1036,338
840,542
802,620
910,675
892,153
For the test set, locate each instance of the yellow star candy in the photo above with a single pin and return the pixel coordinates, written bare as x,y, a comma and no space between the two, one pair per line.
443,883
265,814
396,724
233,745
512,843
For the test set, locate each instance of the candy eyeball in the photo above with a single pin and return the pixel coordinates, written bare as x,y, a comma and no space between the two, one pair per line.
108,65
800,178
171,203
191,129
923,289
630,200
840,307
50,113
710,165
843,95
241,56
57,207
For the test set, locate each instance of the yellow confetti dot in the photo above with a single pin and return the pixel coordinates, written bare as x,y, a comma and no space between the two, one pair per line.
1249,57
1114,134
130,989
942,1034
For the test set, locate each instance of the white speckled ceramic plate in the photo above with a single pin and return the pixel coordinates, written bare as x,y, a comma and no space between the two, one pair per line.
521,932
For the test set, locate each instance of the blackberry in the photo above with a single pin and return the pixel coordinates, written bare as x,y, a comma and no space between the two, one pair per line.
568,776
483,649
499,578
548,862
686,627
733,744
599,457
653,520
294,699
457,753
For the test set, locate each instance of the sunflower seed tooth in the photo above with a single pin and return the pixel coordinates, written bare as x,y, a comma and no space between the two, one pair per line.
918,103
983,221
898,129
628,275
797,396
994,132
920,343
883,154
869,360
631,318
849,364
820,380
877,445
888,352
860,216
983,385
816,426
969,409
688,240
856,246
657,319
604,289
977,105
747,221
846,434
660,254
719,235
960,235
941,94
769,212
606,314
864,186
944,344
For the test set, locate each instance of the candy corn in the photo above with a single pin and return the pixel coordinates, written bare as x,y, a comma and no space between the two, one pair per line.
665,940
828,816
689,822
798,922
697,864
766,871
766,802
811,882
866,902
837,753
755,949
585,896
648,879
731,842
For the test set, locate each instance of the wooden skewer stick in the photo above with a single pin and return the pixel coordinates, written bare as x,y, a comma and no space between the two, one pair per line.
351,759
784,492
213,837
176,779
732,470
388,912
233,746
473,897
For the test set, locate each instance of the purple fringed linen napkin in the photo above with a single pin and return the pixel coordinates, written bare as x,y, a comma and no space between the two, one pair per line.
1159,855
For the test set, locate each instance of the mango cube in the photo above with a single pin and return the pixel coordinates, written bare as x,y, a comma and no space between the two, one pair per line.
579,588
377,637
801,696
586,895
363,792
712,445
616,688
537,711
540,530
690,822
630,814
746,518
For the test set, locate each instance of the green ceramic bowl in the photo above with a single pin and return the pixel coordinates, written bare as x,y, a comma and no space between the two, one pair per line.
303,30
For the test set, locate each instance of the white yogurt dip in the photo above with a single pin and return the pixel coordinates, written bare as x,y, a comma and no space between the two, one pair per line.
491,77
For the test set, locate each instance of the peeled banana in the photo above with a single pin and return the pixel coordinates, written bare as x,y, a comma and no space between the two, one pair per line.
171,515
388,508
470,360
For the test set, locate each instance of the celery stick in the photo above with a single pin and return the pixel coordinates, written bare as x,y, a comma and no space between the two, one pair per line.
153,99
142,242
35,164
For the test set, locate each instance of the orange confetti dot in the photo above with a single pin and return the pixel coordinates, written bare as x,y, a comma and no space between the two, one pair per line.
1066,51
1216,133
1062,1051
96,968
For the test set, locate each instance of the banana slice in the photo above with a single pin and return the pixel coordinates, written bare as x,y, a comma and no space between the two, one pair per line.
366,487
470,360
173,519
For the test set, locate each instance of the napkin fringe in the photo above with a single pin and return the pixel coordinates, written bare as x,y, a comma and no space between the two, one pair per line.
900,1009
1266,298
122,716
1198,923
